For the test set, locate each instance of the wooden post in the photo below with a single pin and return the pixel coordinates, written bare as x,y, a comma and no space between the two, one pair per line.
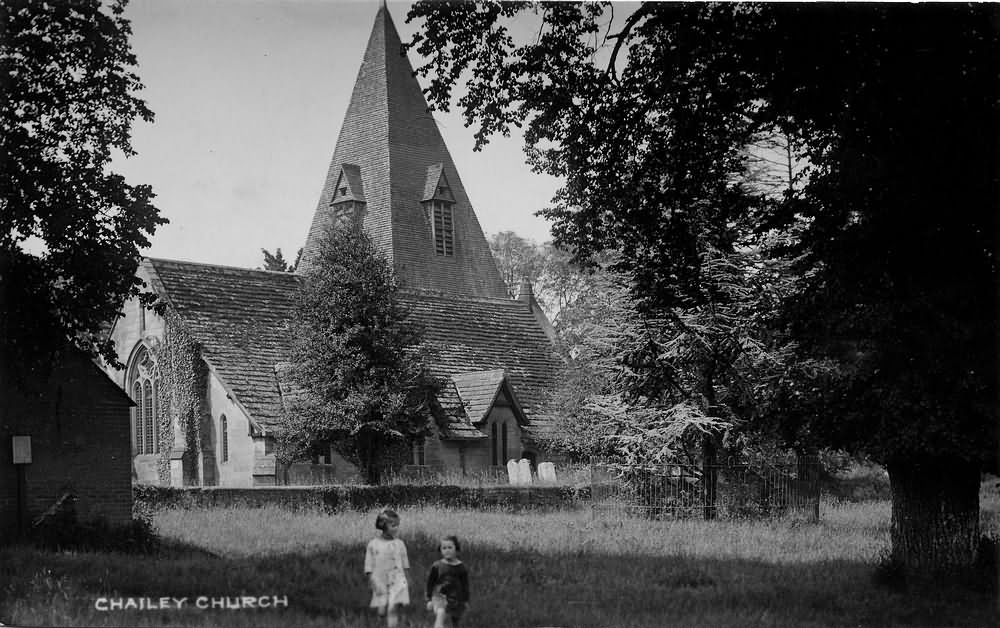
22,498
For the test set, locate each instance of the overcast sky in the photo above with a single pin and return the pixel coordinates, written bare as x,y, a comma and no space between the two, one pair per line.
249,97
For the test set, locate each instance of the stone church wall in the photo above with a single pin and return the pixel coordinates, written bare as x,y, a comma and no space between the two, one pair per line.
237,471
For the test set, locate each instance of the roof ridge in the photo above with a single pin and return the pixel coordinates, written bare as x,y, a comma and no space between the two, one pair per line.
427,292
220,266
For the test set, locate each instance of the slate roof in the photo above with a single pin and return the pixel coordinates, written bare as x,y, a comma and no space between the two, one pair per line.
432,191
241,318
466,334
455,423
392,138
479,391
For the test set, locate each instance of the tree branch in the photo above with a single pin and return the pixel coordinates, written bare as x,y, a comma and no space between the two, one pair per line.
621,36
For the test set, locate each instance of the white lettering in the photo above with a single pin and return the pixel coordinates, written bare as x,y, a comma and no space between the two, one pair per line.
101,604
281,601
264,601
130,603
117,604
218,602
179,603
201,602
249,602
233,603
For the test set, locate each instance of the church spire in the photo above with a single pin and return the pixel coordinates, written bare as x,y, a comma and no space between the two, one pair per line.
389,136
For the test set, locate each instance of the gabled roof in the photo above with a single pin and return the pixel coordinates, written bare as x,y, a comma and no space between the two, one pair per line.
465,334
480,390
436,186
389,133
240,317
349,186
453,421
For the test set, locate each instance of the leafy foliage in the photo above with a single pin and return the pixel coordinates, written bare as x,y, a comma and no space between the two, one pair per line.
650,387
895,109
277,262
516,258
70,230
356,356
652,141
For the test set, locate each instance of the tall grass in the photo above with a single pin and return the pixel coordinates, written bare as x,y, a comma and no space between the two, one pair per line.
532,569
846,532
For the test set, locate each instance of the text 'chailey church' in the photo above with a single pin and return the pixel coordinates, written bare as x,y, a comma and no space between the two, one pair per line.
209,377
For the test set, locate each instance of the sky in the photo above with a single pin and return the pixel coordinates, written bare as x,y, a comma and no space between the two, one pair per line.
249,97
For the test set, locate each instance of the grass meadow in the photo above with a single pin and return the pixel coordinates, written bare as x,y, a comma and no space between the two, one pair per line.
532,569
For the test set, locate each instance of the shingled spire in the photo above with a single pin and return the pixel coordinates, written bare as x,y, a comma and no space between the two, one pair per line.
391,138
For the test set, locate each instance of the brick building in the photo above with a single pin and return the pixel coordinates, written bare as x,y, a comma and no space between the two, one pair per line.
207,377
74,416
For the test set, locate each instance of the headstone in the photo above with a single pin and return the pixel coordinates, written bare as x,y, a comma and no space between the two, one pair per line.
546,472
525,471
513,472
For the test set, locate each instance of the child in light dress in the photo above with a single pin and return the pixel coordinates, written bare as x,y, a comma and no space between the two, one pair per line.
448,584
385,566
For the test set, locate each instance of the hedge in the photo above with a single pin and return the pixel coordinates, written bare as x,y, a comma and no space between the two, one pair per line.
335,498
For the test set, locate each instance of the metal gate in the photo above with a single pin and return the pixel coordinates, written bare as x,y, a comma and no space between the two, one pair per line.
723,491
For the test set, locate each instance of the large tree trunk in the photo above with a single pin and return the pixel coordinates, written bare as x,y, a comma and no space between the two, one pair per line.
935,515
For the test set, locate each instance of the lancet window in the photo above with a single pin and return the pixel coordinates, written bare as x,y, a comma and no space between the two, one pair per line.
142,387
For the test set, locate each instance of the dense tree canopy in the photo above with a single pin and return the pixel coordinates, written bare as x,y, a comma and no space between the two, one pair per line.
70,229
894,107
356,358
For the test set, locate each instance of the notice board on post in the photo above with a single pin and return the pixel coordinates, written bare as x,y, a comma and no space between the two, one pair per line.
21,449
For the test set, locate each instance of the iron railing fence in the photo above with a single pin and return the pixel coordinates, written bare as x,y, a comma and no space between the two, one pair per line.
677,490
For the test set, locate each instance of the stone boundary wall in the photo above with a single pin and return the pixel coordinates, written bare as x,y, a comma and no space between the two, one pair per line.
334,498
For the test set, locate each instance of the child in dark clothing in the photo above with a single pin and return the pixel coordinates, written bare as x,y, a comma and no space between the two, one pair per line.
448,584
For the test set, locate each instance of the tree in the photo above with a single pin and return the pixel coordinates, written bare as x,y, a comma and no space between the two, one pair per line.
896,108
516,259
70,229
277,262
356,358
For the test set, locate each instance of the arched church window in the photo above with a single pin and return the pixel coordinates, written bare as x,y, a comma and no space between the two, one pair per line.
142,385
137,427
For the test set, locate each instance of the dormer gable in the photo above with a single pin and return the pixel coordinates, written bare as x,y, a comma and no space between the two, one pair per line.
436,186
349,186
348,198
439,209
480,391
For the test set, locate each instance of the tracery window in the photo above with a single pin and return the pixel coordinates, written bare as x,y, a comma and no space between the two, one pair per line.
142,387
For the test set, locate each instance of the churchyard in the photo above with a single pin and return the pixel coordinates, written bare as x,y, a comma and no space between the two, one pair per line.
563,568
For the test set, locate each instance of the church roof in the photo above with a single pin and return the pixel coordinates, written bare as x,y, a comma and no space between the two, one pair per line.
390,137
241,318
478,391
466,334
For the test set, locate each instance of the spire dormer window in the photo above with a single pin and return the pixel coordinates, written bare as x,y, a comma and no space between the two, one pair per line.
348,198
439,208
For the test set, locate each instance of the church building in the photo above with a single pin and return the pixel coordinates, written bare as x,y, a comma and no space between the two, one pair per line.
208,377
